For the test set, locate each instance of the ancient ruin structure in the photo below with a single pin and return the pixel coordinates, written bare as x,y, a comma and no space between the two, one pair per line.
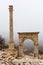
11,40
12,52
28,35
22,36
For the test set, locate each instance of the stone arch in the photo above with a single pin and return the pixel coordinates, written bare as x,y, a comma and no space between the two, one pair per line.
28,35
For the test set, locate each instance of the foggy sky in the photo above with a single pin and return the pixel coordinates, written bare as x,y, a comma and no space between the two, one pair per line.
27,17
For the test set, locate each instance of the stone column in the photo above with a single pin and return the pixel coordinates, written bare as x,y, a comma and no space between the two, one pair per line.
11,41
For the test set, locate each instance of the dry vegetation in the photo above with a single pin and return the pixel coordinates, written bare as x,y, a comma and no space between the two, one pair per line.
2,43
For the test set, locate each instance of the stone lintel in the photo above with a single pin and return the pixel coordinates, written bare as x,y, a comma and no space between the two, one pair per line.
28,32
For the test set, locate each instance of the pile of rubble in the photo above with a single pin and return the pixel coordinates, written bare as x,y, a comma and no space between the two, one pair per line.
7,59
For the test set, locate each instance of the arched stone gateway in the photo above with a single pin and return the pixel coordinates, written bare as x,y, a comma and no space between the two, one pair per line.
28,35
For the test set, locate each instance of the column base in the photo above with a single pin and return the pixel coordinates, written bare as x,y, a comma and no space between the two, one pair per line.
11,45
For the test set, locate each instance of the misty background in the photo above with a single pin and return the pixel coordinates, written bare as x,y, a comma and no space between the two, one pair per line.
27,17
